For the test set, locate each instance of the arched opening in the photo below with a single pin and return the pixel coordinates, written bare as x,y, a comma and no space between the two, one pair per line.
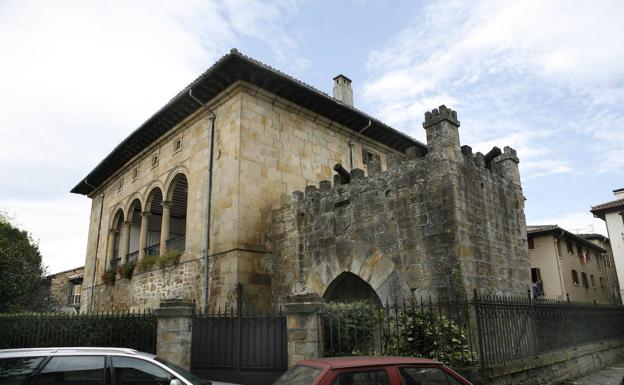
134,221
154,222
115,238
348,287
177,197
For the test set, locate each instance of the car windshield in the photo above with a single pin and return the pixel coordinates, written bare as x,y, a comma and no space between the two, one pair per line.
184,373
299,375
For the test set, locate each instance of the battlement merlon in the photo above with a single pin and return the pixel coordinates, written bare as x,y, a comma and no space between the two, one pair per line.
440,114
442,129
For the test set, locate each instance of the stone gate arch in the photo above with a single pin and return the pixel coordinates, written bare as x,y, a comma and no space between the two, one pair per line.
348,287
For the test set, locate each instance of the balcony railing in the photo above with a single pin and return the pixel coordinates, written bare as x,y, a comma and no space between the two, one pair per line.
133,257
178,243
153,250
115,262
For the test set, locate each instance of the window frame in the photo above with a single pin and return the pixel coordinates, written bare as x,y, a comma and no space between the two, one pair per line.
111,368
531,243
448,371
391,372
575,278
34,379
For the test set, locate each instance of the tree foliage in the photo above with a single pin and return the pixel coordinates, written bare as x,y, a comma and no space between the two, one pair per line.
23,285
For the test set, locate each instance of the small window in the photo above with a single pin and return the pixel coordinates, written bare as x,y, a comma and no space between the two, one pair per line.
531,243
427,376
154,160
570,247
579,250
536,275
585,282
130,371
368,156
177,144
575,279
120,184
593,283
135,173
72,370
373,377
601,283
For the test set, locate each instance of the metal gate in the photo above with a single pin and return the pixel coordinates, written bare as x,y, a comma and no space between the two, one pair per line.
234,346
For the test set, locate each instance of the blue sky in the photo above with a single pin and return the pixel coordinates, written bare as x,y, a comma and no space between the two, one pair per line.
545,77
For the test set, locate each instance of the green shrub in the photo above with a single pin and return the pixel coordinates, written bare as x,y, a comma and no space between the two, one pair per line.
127,269
148,262
170,258
109,276
350,328
426,334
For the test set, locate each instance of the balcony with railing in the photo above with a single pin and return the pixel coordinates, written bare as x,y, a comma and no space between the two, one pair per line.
133,257
115,263
153,250
178,243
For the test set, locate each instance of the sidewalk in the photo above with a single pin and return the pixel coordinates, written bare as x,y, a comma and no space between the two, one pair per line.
608,376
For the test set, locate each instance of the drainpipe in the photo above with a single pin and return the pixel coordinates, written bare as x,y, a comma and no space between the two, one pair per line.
97,247
563,290
213,116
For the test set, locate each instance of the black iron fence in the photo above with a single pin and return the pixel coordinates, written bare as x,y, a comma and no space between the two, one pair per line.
483,330
153,250
124,329
178,243
512,328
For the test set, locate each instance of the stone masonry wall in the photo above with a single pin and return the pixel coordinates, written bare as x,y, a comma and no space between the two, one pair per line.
145,290
439,224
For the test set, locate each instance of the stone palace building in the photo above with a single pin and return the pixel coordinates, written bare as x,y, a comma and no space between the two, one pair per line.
254,177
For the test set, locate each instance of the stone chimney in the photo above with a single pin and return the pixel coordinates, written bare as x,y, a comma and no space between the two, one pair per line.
342,90
619,193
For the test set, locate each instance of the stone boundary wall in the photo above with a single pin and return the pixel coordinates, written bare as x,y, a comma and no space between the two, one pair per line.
145,290
551,368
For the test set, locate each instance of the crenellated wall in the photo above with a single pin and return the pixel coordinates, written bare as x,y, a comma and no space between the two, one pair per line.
438,224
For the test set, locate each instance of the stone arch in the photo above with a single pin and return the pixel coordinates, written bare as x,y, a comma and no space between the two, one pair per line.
153,216
114,238
172,178
133,221
367,263
348,287
135,201
174,219
149,192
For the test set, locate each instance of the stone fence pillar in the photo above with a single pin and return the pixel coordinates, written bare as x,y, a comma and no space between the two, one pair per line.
174,335
303,323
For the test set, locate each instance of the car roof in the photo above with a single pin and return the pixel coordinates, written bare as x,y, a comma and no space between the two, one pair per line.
27,352
350,362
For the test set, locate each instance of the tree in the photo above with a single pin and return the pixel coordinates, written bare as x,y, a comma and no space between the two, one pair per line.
23,285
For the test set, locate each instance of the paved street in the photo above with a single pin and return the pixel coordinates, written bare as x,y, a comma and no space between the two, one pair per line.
608,376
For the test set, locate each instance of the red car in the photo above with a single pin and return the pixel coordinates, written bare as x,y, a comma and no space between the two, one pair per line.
370,371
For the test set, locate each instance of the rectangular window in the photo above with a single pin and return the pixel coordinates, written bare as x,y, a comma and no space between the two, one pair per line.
72,370
368,156
531,243
120,184
135,173
154,160
575,279
579,250
570,247
177,145
536,275
377,377
591,277
585,282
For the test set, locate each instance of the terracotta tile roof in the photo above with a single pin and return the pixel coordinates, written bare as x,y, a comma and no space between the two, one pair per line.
556,230
601,209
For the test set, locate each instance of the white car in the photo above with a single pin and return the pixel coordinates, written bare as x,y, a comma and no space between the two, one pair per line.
91,366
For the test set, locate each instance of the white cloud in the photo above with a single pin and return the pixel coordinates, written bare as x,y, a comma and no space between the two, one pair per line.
577,222
59,226
78,77
524,73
